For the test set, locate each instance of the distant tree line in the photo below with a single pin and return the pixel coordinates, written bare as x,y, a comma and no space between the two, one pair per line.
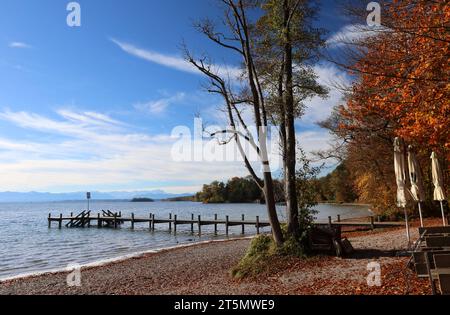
237,190
338,186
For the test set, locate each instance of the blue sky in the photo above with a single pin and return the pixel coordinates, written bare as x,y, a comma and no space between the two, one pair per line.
93,107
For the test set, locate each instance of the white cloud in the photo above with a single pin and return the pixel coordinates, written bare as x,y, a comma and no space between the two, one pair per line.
155,57
174,62
319,109
18,45
312,141
159,106
353,33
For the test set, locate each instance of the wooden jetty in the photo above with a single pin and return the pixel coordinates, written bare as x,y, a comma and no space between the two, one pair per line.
115,219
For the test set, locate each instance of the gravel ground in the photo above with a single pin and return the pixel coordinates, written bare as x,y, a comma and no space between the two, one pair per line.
205,269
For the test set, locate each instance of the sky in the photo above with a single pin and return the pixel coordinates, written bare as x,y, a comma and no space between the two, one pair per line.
94,107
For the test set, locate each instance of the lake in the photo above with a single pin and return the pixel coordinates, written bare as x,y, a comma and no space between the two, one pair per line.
29,246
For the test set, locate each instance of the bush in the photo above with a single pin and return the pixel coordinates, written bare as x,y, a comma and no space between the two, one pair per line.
263,250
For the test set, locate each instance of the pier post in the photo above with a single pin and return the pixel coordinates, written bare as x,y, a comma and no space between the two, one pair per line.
49,220
215,224
192,224
227,219
243,224
170,221
132,221
339,218
199,225
115,220
153,221
99,221
330,222
120,214
71,215
60,221
175,224
372,223
89,220
150,222
257,225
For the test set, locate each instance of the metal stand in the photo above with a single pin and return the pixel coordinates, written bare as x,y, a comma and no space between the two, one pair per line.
420,214
443,214
408,235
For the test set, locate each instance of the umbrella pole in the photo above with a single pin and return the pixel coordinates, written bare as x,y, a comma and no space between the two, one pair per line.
420,214
443,214
407,228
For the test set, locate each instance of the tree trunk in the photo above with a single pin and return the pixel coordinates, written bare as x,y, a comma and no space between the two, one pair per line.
258,104
271,208
290,150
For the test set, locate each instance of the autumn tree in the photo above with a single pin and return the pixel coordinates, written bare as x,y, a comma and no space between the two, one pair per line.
401,88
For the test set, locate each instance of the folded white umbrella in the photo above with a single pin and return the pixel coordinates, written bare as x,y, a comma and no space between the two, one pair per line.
400,176
415,177
438,181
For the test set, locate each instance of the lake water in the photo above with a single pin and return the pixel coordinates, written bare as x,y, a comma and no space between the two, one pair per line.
27,245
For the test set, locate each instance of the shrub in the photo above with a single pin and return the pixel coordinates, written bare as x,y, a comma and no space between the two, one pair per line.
263,251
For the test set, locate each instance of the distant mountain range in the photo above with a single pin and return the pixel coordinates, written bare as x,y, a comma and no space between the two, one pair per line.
76,196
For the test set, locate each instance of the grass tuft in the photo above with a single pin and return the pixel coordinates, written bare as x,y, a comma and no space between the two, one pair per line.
262,252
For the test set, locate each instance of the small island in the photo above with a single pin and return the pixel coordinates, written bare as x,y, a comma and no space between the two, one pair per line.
142,200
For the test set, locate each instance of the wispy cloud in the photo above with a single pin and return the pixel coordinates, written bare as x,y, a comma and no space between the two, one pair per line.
91,150
174,62
352,33
159,106
21,45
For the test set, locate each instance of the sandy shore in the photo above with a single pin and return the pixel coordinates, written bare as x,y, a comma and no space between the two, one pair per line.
205,269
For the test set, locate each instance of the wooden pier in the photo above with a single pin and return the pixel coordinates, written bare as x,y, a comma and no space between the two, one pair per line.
115,220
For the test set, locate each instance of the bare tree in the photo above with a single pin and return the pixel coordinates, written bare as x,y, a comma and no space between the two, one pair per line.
239,40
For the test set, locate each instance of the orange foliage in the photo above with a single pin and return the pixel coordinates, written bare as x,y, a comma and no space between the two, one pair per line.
404,72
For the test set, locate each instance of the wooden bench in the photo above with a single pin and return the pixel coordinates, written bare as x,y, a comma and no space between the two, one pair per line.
437,241
437,230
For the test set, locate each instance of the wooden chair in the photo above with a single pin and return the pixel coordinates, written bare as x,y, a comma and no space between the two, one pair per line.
444,283
420,260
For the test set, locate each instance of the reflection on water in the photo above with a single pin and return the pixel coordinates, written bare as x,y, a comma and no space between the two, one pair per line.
27,245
